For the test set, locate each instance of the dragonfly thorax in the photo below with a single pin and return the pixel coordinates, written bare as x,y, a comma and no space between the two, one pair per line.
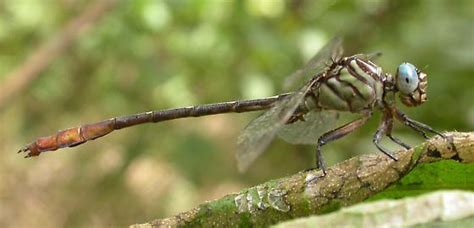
351,84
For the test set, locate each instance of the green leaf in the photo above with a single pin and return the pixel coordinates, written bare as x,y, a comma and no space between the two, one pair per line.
439,209
429,177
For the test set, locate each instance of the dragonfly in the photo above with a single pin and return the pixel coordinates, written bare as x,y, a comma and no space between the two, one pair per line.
326,87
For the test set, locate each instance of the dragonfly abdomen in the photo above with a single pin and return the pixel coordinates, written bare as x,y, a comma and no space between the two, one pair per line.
78,135
351,85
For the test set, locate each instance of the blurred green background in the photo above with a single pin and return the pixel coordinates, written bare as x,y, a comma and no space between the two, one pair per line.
148,55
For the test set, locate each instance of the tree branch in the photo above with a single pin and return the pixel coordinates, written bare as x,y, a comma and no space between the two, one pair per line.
307,193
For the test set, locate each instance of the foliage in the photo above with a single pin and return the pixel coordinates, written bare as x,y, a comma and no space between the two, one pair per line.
437,209
430,177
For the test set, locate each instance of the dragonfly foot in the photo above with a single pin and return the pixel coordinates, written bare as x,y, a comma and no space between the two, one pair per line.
315,169
444,136
390,155
385,151
311,178
321,165
399,142
448,139
308,170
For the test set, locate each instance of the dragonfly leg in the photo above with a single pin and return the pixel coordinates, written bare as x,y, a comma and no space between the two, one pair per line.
421,128
337,134
417,126
388,121
398,141
383,129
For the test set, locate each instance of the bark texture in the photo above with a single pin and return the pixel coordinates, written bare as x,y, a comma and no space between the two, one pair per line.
308,193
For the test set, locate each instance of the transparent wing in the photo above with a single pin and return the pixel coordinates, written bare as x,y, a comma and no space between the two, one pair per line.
315,124
332,51
370,56
309,130
260,132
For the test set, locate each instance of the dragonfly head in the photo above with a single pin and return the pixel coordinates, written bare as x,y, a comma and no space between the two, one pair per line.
411,83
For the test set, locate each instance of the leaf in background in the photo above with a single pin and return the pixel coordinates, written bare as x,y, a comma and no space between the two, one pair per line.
440,209
429,177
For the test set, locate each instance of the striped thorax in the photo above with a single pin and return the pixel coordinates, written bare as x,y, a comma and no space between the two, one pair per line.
351,84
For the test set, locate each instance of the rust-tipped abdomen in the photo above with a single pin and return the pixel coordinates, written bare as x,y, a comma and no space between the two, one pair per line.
69,137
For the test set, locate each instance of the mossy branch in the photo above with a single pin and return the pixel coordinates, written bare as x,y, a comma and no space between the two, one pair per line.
308,193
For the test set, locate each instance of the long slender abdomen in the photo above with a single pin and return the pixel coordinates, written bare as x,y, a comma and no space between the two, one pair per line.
78,135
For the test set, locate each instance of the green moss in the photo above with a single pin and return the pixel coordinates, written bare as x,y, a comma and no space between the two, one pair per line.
302,207
245,220
333,205
417,153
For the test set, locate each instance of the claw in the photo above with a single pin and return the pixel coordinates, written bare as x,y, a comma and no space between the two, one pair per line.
444,136
386,152
407,147
321,165
392,156
399,142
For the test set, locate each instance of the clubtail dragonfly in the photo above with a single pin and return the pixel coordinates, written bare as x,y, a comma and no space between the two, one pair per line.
333,84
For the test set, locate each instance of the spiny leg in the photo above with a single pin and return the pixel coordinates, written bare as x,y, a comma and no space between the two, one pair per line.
421,128
337,134
417,126
398,141
387,120
384,129
417,129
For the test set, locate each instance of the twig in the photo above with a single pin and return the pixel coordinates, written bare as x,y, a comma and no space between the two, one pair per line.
23,75
308,193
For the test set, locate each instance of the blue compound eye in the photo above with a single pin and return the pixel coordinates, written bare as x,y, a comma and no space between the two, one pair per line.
407,78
